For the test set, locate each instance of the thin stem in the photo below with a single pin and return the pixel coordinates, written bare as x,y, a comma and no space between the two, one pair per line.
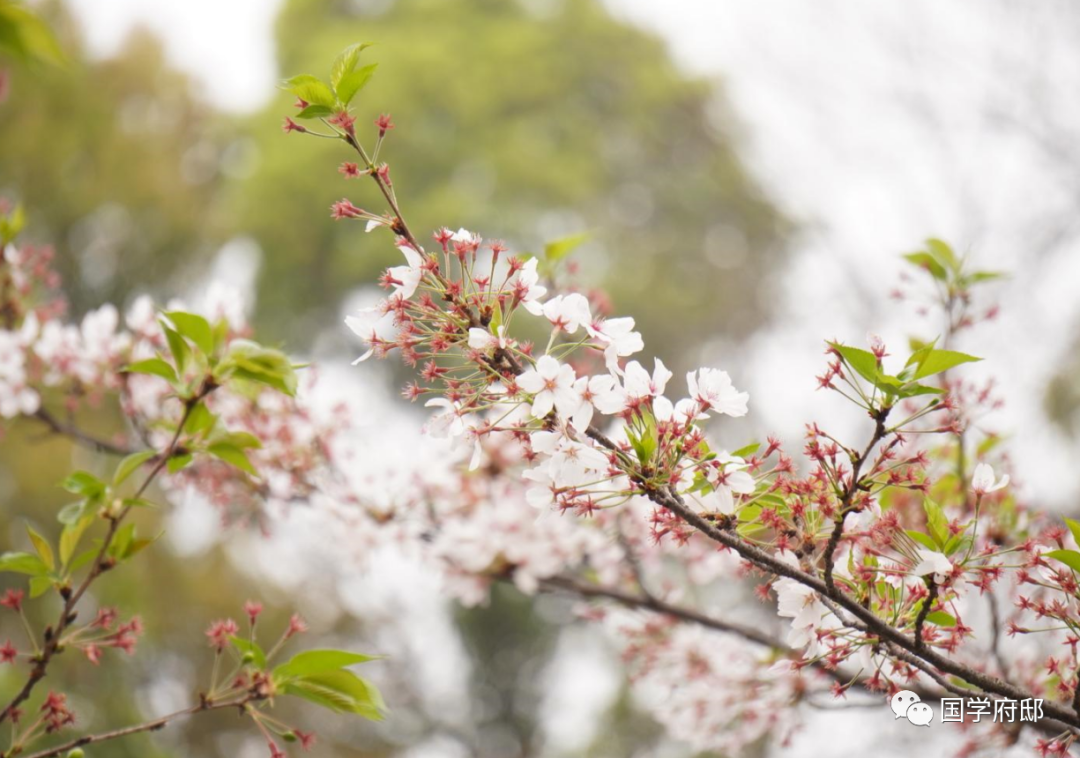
147,726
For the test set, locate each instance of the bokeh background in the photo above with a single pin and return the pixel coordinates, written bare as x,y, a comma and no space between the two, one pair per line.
749,173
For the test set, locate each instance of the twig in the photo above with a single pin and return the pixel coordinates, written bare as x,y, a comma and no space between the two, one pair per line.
148,726
78,435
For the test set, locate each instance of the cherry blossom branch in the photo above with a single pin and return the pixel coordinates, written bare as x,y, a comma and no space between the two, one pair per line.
849,496
652,603
870,623
52,634
78,435
148,726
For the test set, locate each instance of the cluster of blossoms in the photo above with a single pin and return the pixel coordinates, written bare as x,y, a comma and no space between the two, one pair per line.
901,562
879,555
207,410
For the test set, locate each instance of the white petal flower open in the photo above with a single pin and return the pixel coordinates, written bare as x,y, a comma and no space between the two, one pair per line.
568,312
549,383
982,481
932,562
713,389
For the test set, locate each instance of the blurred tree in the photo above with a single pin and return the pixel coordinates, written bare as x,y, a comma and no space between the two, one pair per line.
119,165
525,121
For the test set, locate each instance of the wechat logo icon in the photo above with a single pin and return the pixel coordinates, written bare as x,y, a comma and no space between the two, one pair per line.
906,703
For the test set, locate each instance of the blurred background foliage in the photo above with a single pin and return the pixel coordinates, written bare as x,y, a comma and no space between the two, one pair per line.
523,120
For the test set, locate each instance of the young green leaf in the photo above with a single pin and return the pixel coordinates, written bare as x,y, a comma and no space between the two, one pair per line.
195,328
70,536
315,111
249,648
941,618
23,563
353,82
318,661
130,465
341,691
154,366
310,89
558,249
254,363
937,361
346,62
1074,527
181,353
937,522
862,361
178,462
43,548
232,455
1070,558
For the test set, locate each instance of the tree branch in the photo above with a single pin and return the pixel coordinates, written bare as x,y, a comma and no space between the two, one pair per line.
147,726
79,436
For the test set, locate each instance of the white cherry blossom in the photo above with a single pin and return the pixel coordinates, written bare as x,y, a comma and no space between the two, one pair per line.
982,481
552,386
713,389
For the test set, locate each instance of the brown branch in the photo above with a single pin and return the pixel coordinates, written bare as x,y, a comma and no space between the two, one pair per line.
920,620
148,726
870,622
652,603
849,498
78,435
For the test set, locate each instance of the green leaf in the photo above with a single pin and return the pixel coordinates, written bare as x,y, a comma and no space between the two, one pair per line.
1070,558
237,439
252,362
181,353
26,37
82,559
43,548
73,513
978,277
23,563
937,522
943,253
346,62
154,366
923,539
130,465
195,328
341,691
70,536
862,361
39,585
353,82
937,361
928,262
310,89
232,455
318,661
559,249
200,420
258,657
315,111
178,462
941,618
84,483
746,452
1074,527
121,541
